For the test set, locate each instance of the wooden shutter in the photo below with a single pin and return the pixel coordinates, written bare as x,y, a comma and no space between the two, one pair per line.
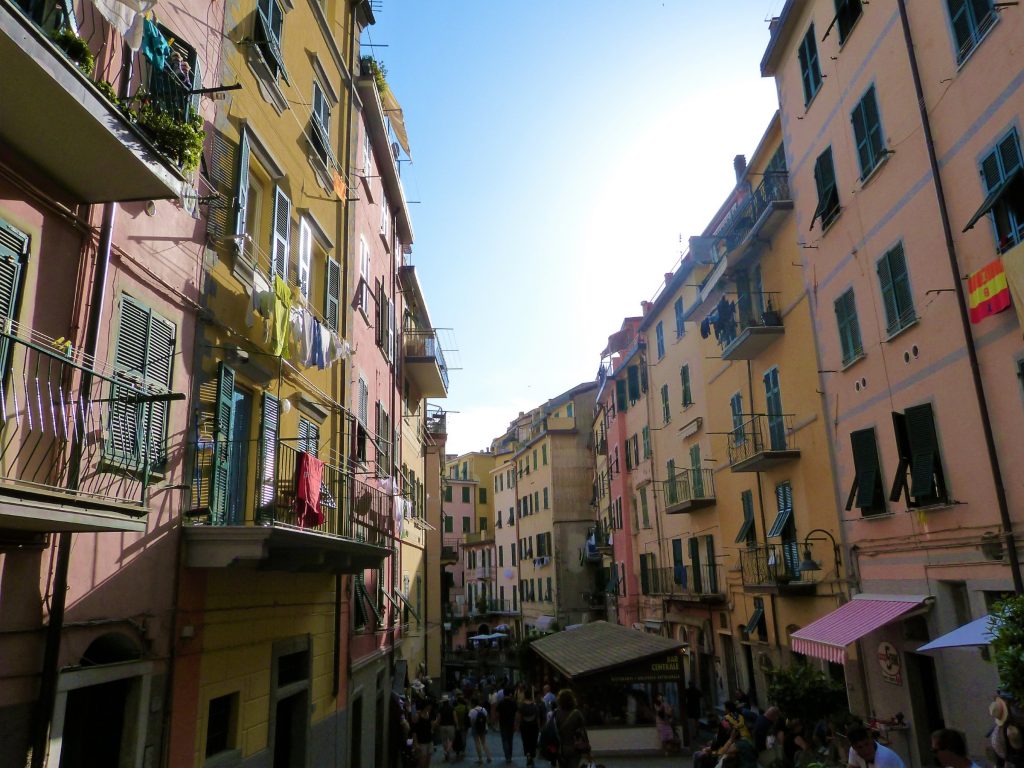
645,583
124,422
860,136
332,301
872,125
712,577
924,449
159,370
620,394
13,255
666,409
305,256
219,482
633,382
899,483
868,480
697,466
242,191
1009,154
269,428
684,379
901,284
888,294
990,171
280,246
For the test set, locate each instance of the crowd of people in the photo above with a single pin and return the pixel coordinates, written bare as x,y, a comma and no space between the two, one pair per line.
550,727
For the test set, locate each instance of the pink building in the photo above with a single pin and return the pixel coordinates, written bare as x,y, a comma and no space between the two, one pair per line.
897,206
101,256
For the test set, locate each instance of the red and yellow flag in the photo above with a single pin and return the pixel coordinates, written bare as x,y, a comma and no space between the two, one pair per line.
988,291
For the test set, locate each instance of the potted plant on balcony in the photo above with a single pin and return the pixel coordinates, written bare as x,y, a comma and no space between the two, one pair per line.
771,317
179,140
370,66
76,49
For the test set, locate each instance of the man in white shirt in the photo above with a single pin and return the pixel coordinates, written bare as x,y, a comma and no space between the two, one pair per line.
950,749
865,752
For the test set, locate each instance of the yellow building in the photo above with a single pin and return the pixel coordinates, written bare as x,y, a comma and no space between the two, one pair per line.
768,442
280,524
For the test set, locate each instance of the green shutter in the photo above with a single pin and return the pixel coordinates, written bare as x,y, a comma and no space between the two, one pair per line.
888,295
696,466
644,575
924,449
899,484
901,284
865,461
860,137
747,502
269,427
620,394
784,504
666,410
225,412
633,377
242,189
13,254
332,302
124,422
1009,154
159,370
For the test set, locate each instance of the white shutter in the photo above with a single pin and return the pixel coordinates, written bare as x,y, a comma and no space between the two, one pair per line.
305,256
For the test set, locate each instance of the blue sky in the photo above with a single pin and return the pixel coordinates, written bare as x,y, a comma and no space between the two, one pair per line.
561,150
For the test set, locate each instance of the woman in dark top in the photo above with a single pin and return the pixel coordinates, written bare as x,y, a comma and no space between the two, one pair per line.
529,724
423,732
569,721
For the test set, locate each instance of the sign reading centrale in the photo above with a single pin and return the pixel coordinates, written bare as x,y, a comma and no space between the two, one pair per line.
660,669
889,661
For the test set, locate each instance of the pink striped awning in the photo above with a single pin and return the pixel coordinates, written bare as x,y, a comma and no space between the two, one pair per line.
828,637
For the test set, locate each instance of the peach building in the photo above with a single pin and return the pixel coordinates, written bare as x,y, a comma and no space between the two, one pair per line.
896,207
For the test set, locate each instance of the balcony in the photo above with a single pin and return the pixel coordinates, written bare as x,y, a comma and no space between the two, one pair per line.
700,583
755,219
449,555
56,118
482,573
746,327
80,443
597,544
774,568
688,491
351,529
762,441
477,538
436,423
424,360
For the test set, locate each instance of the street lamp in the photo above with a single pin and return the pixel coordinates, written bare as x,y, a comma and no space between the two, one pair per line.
808,563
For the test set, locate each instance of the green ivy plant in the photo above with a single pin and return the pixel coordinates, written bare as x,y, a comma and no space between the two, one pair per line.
378,70
1008,645
804,692
76,49
180,141
107,90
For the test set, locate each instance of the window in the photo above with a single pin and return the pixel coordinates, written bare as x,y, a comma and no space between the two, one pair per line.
467,525
568,410
221,724
645,515
546,502
633,383
269,23
736,406
383,439
483,495
866,493
620,394
895,284
367,155
773,402
646,436
810,72
535,458
548,598
143,354
536,500
447,493
320,125
309,436
666,410
918,449
544,455
305,256
363,291
847,13
1004,192
849,328
449,521
762,623
680,323
482,525
748,530
280,237
671,493
465,495
659,332
684,378
867,133
971,19
646,573
828,192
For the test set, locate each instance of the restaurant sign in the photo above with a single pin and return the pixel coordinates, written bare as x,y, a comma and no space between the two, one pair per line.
666,668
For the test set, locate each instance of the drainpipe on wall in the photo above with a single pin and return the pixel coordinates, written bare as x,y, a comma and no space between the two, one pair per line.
965,322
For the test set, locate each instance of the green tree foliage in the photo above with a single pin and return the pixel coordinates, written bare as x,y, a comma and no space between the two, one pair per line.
1008,645
804,692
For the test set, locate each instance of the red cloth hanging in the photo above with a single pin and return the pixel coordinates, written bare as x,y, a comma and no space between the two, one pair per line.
309,473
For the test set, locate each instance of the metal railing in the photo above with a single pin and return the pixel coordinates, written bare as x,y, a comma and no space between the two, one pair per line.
436,422
760,433
684,581
688,485
477,537
266,494
751,309
449,553
425,344
772,189
72,430
770,564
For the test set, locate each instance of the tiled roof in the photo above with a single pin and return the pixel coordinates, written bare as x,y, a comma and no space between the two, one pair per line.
599,646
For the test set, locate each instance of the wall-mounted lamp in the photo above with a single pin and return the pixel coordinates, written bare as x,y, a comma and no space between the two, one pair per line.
809,564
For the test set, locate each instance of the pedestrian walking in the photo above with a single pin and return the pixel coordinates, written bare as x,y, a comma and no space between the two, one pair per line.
423,731
446,725
663,716
529,724
507,711
478,717
572,731
694,699
461,725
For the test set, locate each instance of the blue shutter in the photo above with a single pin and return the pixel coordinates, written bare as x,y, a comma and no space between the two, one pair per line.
225,411
269,427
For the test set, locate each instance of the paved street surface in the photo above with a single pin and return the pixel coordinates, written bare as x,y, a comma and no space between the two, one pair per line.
519,760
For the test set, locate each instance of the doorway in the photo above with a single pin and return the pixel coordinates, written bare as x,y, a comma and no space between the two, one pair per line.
356,741
290,731
925,704
727,686
238,457
748,655
94,725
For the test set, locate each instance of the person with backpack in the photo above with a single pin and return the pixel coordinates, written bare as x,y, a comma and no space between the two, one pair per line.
529,724
507,711
572,731
478,717
446,720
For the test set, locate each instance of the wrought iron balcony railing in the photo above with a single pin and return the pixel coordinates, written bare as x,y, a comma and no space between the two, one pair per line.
761,441
689,490
751,310
771,564
773,188
684,581
424,344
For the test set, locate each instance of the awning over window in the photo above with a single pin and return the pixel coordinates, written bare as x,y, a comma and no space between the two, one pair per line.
755,619
993,197
828,637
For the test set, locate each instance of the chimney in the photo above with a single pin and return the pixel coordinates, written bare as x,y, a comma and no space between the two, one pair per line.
646,307
739,164
668,277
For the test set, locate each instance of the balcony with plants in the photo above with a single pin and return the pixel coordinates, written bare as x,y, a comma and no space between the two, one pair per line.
762,441
745,326
82,441
103,126
273,515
